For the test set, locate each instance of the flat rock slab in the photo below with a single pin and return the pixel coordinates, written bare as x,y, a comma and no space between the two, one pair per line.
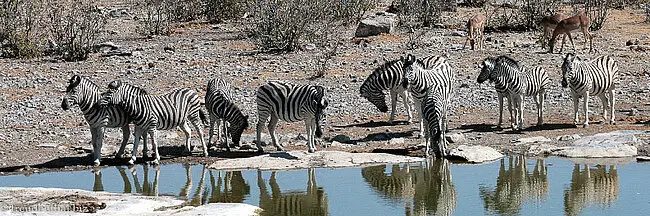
612,144
55,201
542,149
302,159
475,154
536,139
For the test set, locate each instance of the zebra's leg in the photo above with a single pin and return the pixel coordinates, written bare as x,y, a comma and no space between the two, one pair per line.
612,100
311,127
225,136
605,101
145,148
219,132
407,106
154,140
263,116
213,120
186,130
393,105
576,101
512,109
97,135
500,123
272,124
138,133
196,122
539,100
418,107
586,108
126,131
427,139
520,114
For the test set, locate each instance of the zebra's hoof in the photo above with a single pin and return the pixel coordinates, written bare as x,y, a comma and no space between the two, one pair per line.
585,125
311,150
155,162
96,162
279,149
260,150
205,154
131,162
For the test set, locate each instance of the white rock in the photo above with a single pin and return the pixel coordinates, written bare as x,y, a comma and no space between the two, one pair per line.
384,23
475,154
568,137
396,141
536,139
612,144
456,138
542,149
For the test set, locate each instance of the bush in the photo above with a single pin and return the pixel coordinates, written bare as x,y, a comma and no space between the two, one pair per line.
524,16
19,25
158,17
217,11
186,10
534,10
597,10
282,25
647,12
74,27
424,12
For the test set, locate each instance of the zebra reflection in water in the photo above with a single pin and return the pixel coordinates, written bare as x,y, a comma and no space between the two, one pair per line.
313,202
428,185
591,185
235,188
516,185
147,188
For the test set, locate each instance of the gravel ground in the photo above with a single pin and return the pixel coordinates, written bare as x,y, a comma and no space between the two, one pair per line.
36,134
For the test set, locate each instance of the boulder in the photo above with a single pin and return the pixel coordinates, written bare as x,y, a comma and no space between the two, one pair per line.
536,139
542,149
396,141
475,154
612,144
568,137
455,138
381,23
341,138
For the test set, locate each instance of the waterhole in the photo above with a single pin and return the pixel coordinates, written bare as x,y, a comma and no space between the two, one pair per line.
514,185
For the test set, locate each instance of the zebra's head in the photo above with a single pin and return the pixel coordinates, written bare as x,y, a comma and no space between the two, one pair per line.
376,98
237,129
71,93
321,104
487,70
567,68
407,68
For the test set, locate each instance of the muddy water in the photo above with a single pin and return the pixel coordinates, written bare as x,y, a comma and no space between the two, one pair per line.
513,185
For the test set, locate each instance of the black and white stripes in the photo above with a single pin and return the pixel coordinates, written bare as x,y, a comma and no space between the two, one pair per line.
386,77
223,110
83,92
291,103
594,77
160,112
519,82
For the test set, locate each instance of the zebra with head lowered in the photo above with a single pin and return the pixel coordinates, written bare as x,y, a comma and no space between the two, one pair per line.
389,76
585,78
160,112
519,82
418,80
84,93
224,112
290,103
435,107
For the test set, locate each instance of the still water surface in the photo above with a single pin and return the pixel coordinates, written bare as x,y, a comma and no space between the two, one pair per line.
511,186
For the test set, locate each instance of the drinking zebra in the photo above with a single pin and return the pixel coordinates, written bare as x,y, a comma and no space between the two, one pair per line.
290,103
434,111
389,77
418,80
222,110
519,82
585,78
83,92
160,112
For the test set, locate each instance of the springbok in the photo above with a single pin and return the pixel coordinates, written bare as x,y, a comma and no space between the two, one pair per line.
475,27
549,23
566,26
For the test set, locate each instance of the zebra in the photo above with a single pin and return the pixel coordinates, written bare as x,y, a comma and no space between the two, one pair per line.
502,92
519,82
434,111
418,79
222,110
290,103
389,77
83,92
585,78
160,112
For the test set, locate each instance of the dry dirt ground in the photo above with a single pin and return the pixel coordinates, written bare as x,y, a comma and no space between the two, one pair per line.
36,135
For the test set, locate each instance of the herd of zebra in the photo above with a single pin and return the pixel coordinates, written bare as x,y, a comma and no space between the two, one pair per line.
429,81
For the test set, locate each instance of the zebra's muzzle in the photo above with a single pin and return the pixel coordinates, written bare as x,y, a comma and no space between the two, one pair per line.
564,83
64,104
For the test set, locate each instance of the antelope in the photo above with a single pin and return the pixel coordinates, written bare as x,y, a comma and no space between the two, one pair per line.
549,23
566,26
475,27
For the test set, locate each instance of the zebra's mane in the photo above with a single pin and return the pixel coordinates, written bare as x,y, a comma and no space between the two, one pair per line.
72,84
508,61
137,90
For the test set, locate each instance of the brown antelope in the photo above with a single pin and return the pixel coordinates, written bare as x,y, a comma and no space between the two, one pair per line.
549,23
475,27
566,26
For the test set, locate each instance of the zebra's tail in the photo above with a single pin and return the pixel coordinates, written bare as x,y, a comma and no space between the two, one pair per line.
203,116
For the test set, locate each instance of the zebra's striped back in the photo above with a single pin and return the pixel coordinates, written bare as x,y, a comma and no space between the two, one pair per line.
434,110
595,76
418,79
292,103
220,104
506,73
84,93
163,112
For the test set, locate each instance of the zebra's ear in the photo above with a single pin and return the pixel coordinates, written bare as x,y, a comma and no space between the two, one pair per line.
115,84
75,80
410,58
323,103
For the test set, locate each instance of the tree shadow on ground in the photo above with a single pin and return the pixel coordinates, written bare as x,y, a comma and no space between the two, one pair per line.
382,136
482,128
82,160
373,124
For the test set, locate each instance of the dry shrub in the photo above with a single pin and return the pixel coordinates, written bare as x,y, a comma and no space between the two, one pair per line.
158,16
598,10
521,15
423,13
283,25
19,29
534,10
74,26
217,11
